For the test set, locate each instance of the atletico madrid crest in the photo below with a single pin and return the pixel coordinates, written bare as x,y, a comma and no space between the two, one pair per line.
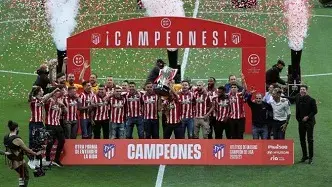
219,151
109,151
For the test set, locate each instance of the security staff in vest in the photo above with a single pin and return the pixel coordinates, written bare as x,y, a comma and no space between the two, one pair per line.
15,149
306,109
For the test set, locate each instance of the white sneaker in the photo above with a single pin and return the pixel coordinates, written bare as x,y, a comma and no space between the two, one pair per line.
46,163
31,164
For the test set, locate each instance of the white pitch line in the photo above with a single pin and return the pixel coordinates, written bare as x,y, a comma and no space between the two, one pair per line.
141,13
161,170
186,51
134,79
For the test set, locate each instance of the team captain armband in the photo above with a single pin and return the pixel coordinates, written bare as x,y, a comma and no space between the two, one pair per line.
244,3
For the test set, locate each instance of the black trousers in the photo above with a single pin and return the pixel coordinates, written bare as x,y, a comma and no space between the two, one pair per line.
237,128
212,124
102,124
57,134
220,127
307,129
177,128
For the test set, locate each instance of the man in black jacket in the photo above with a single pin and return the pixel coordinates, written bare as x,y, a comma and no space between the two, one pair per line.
273,74
306,109
259,111
154,73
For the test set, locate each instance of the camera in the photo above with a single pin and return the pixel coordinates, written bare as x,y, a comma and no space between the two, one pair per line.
40,137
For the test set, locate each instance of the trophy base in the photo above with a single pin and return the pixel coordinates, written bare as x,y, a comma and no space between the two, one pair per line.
161,90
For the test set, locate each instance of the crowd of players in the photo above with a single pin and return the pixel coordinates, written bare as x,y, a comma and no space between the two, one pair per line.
114,110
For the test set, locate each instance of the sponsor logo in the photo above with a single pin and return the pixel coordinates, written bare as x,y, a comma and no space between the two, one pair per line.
109,151
219,151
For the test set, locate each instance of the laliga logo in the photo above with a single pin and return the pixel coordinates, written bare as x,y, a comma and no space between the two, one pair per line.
78,60
165,23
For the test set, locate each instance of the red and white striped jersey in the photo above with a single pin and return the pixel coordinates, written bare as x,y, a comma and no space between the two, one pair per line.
134,108
202,104
213,94
86,101
150,106
237,105
173,110
53,112
102,108
71,104
222,109
36,108
187,102
118,108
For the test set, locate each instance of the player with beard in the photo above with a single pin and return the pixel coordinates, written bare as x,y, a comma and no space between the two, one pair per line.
172,110
222,109
92,79
118,105
273,74
53,109
134,111
100,114
187,101
203,109
110,85
72,102
70,81
212,92
151,106
86,97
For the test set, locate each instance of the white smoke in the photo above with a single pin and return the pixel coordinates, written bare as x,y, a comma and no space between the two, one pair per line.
297,14
61,15
155,8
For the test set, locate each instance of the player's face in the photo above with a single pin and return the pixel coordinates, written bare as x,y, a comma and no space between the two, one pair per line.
148,88
93,79
62,80
199,87
110,80
71,78
185,86
117,92
72,93
220,92
232,79
124,86
132,87
87,88
210,82
58,94
101,91
234,89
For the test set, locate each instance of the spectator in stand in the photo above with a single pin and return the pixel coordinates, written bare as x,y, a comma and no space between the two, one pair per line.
85,109
281,114
72,103
172,110
273,74
212,92
260,119
222,109
187,102
134,112
232,80
203,109
99,114
151,104
118,105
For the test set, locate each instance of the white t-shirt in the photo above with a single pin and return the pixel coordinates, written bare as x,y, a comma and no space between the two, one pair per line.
280,110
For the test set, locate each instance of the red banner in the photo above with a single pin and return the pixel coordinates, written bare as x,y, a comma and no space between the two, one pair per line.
178,152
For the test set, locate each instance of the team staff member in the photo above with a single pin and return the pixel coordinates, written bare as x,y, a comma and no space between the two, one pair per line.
273,74
15,153
306,109
281,114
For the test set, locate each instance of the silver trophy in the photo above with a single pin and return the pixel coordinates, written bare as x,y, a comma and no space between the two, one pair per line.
166,75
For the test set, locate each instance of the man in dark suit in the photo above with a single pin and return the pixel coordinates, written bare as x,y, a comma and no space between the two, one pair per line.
273,74
306,109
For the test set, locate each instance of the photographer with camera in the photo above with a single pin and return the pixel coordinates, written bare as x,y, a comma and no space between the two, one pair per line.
15,149
54,107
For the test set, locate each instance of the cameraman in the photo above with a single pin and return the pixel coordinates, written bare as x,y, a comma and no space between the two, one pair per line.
15,148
